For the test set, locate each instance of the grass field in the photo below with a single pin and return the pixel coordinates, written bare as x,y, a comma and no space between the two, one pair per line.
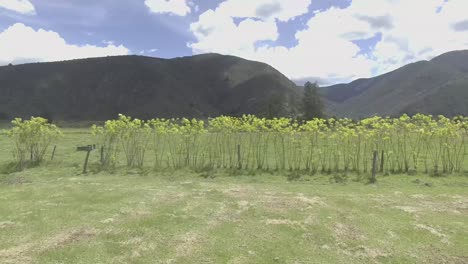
54,214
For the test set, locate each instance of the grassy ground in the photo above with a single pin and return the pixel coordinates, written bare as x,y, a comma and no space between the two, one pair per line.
53,214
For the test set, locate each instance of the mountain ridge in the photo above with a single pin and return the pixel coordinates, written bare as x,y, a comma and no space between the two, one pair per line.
100,88
208,85
414,88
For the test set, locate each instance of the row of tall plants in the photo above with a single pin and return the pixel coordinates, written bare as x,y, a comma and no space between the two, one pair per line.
419,143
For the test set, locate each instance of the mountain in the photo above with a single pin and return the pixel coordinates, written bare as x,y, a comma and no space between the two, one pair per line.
438,86
96,89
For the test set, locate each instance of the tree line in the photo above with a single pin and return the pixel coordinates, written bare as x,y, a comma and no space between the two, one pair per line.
309,106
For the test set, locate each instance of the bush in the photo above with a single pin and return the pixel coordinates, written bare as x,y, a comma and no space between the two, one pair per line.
131,134
32,139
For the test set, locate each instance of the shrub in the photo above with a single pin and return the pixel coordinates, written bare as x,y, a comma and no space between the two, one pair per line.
131,134
32,139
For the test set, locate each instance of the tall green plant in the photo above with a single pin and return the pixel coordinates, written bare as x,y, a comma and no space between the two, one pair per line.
31,139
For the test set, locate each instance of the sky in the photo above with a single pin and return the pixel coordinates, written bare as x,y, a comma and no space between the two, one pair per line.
329,41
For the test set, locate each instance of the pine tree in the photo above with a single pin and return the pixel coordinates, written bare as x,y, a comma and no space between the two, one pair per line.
312,102
273,107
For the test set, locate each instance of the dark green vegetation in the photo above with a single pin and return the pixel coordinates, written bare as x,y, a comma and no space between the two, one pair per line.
312,105
143,87
437,87
211,85
54,214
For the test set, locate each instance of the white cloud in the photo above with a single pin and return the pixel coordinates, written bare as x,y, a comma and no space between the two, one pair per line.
20,6
175,7
264,9
421,31
216,29
21,44
216,32
410,31
148,51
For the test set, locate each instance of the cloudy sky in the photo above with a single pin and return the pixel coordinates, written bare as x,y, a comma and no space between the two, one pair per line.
326,40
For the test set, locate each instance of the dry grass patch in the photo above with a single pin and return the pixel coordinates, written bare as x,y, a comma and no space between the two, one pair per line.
189,244
443,237
24,253
7,224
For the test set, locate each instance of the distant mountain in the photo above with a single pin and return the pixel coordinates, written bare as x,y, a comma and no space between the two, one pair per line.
211,85
100,88
438,86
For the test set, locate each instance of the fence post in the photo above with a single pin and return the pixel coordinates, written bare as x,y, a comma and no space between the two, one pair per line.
88,150
382,160
374,167
85,168
53,153
239,163
102,155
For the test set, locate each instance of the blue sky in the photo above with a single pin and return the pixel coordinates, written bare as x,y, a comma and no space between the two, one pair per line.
326,40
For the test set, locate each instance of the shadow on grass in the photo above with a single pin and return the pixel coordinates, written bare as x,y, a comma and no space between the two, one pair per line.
8,177
12,167
9,167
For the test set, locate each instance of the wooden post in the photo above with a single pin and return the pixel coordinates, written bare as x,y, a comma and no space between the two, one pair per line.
88,150
382,159
53,153
374,167
239,163
85,168
102,155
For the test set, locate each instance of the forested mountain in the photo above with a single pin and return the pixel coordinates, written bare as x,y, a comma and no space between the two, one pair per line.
438,86
100,88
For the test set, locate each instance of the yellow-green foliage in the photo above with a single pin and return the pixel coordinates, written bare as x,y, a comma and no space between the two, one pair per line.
32,138
132,135
327,145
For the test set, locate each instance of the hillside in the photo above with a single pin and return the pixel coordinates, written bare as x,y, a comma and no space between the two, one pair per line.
439,86
100,88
